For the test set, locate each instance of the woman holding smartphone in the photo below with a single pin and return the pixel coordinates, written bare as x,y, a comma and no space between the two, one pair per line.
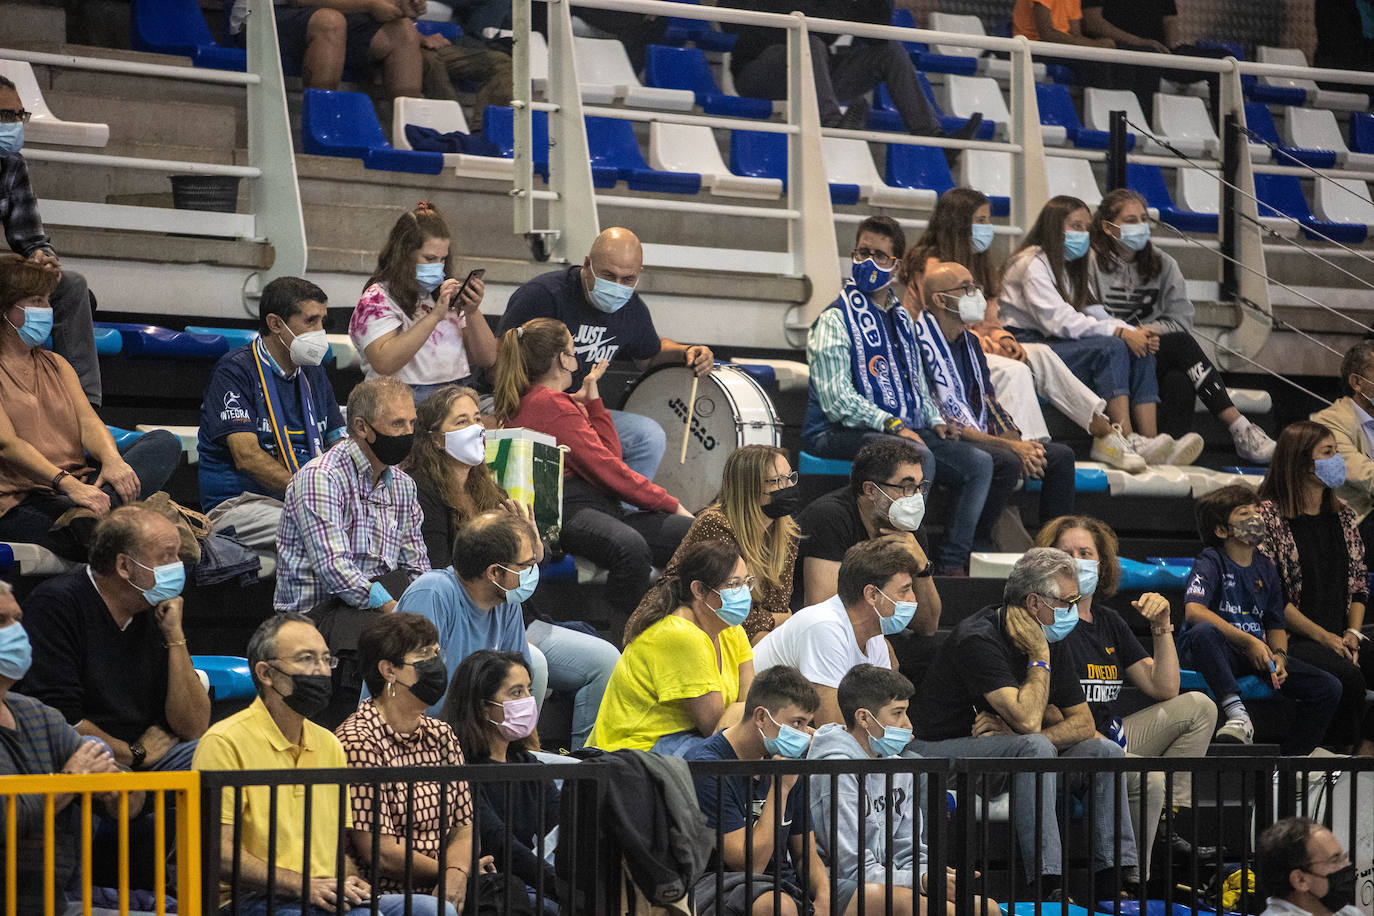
415,321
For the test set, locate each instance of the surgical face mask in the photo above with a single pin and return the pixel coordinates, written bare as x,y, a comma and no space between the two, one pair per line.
907,512
1250,531
1340,888
902,612
790,742
431,680
869,277
1087,575
529,581
391,450
982,237
522,716
15,652
1065,619
1075,244
609,296
168,581
429,276
1330,471
734,604
307,349
310,693
37,325
783,502
11,138
1134,236
891,742
467,445
972,307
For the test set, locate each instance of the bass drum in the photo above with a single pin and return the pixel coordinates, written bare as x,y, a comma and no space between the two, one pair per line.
731,410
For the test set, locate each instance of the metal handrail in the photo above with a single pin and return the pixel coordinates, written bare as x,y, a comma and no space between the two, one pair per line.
132,68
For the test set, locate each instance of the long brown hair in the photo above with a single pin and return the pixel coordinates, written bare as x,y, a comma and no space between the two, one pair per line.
396,264
1290,467
948,237
430,464
1109,257
707,562
765,548
525,353
1104,539
1071,278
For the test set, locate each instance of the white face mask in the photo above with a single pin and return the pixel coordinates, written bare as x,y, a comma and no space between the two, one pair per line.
467,445
308,349
972,307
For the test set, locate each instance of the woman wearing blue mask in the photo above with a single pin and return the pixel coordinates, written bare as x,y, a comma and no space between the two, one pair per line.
1314,539
1144,287
411,322
688,663
1048,297
50,436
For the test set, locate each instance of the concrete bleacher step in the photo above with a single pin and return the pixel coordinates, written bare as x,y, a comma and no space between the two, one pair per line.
152,121
79,181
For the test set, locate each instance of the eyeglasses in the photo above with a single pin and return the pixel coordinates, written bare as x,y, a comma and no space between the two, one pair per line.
747,582
1340,860
787,480
309,660
967,289
908,489
880,258
1072,600
427,655
14,116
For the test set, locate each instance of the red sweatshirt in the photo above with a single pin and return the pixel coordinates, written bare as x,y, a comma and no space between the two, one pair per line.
594,448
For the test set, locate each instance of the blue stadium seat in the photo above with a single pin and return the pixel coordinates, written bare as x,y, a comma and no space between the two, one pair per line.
903,19
123,437
766,376
884,116
1254,90
1251,687
1085,480
498,126
565,569
237,337
1261,121
917,167
178,27
680,30
1056,108
229,676
686,68
1148,180
1138,575
1362,132
108,341
345,124
1281,195
763,154
149,340
823,467
7,563
615,151
924,59
450,30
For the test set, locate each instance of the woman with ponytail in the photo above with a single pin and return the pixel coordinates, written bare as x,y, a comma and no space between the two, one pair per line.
534,369
410,322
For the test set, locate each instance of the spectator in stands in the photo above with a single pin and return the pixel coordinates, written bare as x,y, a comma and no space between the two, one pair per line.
1048,297
866,382
403,667
759,494
109,651
325,37
290,664
73,335
687,660
415,320
962,388
960,230
1057,21
535,370
1314,540
493,714
470,59
37,740
606,317
1351,421
885,497
1144,287
1303,871
1105,654
258,397
1234,624
779,707
1003,685
49,494
825,640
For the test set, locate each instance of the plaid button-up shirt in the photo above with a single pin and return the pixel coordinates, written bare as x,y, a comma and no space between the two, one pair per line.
338,531
19,209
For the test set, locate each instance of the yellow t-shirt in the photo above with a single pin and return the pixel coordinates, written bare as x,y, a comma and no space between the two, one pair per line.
670,661
250,740
1062,12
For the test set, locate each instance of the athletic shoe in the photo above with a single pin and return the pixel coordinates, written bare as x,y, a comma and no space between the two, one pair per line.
1237,730
1186,449
1113,449
1155,449
1253,444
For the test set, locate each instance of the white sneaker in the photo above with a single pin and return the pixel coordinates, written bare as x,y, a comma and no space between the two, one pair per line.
1155,450
1186,449
1113,449
1237,730
1253,444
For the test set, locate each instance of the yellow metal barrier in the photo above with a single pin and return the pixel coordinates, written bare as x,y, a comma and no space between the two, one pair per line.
60,790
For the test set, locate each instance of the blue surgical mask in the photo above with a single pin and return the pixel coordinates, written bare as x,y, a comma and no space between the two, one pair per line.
168,581
1135,236
1075,244
37,325
529,581
11,138
1087,576
429,276
982,237
869,277
609,296
1330,471
15,652
902,613
891,742
1065,619
790,742
734,605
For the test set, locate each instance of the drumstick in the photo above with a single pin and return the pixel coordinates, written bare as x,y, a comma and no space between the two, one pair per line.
687,429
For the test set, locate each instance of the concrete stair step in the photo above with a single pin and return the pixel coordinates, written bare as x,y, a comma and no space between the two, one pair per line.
116,245
157,89
30,20
155,122
70,181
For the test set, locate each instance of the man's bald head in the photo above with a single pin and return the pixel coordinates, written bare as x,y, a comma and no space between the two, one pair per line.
943,276
492,538
616,256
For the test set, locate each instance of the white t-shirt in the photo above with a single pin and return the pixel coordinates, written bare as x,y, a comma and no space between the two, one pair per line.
442,358
819,641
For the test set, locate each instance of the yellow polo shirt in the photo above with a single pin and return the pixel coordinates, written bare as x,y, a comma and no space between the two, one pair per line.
250,740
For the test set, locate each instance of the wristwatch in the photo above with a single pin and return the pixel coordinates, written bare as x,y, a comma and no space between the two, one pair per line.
893,426
139,753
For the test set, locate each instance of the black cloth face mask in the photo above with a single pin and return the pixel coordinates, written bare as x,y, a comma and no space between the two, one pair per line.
784,502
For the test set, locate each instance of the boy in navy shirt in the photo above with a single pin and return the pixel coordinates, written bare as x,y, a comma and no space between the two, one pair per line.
1234,624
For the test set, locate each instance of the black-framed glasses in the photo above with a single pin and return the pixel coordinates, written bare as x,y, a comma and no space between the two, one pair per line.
880,258
786,480
14,116
908,489
309,660
1072,600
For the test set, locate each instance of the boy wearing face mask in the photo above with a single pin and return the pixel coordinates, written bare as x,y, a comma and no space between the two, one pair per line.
1234,624
268,410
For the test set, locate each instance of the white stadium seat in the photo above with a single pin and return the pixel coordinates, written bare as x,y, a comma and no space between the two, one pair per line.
1343,200
1186,123
1200,191
1316,128
963,95
850,162
987,171
1073,177
605,74
1098,105
692,148
445,116
996,67
44,126
1322,98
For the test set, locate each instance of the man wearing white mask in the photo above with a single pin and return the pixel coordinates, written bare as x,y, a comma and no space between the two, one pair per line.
268,409
109,651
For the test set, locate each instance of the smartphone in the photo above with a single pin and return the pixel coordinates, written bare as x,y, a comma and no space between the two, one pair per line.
479,273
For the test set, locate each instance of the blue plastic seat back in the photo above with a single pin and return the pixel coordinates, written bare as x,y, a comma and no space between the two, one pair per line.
229,676
1148,181
123,437
903,19
918,167
759,154
1281,195
1260,120
498,126
7,563
237,337
339,124
1362,132
679,68
611,142
108,341
1056,107
169,26
450,30
150,340
823,467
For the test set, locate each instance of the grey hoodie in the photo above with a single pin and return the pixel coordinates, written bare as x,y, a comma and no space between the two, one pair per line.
1162,303
832,742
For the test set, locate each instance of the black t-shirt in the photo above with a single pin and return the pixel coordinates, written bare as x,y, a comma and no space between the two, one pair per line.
597,335
1325,564
86,667
1098,653
1142,18
978,658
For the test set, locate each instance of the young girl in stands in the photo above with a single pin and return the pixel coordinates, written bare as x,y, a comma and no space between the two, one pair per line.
533,372
411,322
1144,287
1048,297
753,514
960,230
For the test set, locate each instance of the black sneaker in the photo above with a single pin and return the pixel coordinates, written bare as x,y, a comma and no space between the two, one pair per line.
856,116
966,131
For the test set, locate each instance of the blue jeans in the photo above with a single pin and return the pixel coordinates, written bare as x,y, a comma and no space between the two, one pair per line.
967,470
642,442
1106,365
1056,487
578,664
387,905
178,758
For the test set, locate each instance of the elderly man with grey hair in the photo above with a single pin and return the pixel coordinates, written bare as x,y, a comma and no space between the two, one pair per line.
1001,687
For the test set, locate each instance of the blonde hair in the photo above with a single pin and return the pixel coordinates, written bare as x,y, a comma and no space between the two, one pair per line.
765,548
525,353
